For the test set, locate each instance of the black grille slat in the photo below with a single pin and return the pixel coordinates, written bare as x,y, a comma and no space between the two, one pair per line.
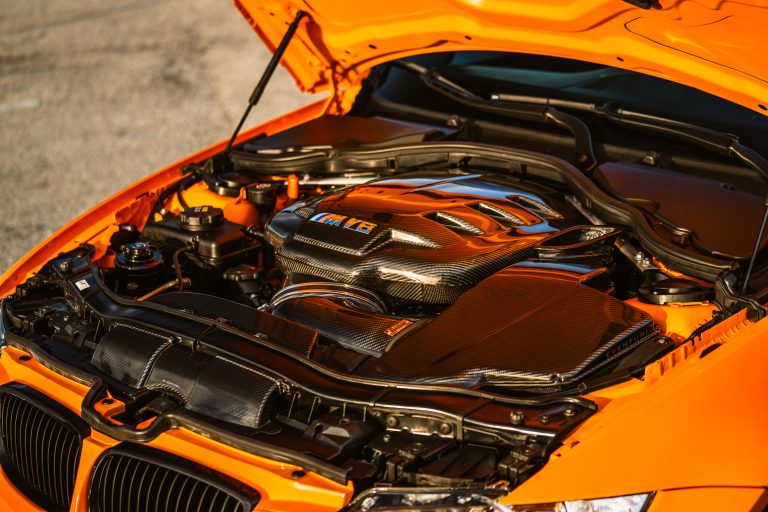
40,451
58,454
151,489
138,478
115,475
134,465
41,443
202,500
70,467
50,473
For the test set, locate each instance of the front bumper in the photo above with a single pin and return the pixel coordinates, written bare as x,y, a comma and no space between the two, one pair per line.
282,487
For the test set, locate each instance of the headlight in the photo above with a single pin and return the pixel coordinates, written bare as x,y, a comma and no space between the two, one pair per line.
630,503
410,499
2,323
414,499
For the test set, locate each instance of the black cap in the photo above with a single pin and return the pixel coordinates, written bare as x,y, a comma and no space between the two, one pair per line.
201,218
261,194
138,255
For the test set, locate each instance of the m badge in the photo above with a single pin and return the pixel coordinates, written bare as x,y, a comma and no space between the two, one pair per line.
342,221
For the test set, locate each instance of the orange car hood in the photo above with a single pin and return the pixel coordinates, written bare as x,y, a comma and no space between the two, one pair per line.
714,45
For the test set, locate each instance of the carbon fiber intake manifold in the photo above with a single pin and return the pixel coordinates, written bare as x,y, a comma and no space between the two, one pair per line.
419,237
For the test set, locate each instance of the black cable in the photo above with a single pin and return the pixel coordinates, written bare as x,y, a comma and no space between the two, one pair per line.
180,196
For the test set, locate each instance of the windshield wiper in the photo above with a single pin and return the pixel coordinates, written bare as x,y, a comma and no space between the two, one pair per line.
585,158
720,142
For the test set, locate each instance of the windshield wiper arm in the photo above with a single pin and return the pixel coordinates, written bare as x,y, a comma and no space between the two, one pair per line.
714,140
585,157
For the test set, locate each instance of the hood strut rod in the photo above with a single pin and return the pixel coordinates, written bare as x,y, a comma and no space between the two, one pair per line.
748,275
264,80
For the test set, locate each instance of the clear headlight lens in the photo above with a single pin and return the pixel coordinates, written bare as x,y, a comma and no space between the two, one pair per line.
630,503
482,500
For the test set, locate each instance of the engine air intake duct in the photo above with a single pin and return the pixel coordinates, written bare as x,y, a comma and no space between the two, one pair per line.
143,360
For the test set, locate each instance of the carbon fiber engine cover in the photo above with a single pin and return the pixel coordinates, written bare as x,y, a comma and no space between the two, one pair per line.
421,237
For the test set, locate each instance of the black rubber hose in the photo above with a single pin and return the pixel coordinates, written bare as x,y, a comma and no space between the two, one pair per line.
177,266
163,197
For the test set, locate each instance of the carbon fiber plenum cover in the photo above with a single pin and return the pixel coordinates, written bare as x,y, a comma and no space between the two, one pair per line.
425,237
521,326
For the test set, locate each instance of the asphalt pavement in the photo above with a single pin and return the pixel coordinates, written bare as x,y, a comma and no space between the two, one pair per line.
95,94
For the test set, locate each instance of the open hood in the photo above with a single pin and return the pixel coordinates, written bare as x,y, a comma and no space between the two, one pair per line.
711,45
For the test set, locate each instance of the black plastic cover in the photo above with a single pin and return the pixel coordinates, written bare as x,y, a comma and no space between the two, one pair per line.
213,240
348,131
290,335
717,217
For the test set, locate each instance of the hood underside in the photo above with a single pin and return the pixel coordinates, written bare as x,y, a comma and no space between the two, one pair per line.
711,45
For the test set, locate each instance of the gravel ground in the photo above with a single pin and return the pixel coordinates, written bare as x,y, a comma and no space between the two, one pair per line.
95,94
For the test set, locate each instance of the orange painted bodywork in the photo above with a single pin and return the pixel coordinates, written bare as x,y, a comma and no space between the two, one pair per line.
692,429
715,46
279,490
693,422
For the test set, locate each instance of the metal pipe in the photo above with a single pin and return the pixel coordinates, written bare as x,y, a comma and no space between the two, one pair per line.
167,286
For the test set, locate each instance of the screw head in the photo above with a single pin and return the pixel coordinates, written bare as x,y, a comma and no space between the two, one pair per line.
569,412
392,421
445,428
544,419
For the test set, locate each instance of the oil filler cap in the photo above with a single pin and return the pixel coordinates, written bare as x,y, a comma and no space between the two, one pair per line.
201,218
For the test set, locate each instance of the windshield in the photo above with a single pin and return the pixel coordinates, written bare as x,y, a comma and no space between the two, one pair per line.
511,73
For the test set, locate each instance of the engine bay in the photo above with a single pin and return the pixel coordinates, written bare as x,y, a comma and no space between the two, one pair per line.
373,299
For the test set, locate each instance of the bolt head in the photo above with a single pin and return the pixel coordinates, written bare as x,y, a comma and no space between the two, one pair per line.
516,417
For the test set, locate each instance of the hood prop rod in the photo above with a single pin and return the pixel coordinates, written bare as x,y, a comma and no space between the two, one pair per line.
265,78
755,251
